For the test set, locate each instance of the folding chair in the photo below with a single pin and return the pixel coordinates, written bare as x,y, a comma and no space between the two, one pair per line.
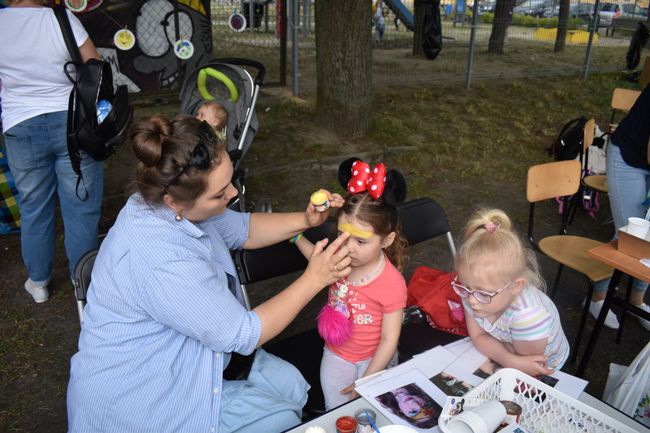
421,219
562,179
81,282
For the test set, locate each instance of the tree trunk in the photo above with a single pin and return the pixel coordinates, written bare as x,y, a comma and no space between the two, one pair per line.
502,19
562,26
418,28
344,65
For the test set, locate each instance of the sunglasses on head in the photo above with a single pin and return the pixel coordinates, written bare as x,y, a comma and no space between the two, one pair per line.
200,156
481,296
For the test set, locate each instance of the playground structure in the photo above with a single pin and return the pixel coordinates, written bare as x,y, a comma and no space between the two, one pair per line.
401,11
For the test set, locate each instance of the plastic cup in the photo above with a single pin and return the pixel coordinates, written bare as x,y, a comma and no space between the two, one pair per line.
638,227
481,419
363,423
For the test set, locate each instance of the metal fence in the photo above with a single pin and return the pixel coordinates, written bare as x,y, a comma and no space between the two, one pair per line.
529,44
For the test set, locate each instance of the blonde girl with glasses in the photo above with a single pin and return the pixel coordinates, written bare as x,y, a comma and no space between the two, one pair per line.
509,317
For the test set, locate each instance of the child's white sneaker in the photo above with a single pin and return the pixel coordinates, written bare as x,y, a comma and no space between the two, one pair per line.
39,292
645,323
610,321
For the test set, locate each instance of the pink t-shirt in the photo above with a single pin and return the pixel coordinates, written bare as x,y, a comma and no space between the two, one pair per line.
368,304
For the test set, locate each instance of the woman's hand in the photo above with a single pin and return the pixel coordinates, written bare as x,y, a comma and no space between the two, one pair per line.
533,365
315,218
328,265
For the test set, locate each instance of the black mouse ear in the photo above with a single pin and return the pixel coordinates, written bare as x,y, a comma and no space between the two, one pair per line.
395,189
345,171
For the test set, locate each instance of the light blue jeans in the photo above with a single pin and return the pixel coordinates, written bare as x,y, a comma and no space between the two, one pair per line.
38,158
269,400
627,188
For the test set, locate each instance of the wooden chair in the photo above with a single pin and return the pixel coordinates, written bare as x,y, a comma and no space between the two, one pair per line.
562,179
622,100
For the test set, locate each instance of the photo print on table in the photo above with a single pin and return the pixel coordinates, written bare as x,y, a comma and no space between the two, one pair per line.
488,368
450,385
412,404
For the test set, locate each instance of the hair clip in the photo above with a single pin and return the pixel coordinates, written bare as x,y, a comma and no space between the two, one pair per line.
491,227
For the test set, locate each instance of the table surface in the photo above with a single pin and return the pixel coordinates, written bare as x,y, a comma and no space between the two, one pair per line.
610,255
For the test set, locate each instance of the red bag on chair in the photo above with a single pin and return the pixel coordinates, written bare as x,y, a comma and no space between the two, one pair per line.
430,289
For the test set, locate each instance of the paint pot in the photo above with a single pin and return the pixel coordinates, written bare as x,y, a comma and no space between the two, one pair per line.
346,424
365,419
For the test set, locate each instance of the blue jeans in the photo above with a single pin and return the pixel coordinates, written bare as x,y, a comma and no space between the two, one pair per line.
38,158
627,188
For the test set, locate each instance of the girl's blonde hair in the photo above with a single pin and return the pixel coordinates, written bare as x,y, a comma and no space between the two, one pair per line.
489,232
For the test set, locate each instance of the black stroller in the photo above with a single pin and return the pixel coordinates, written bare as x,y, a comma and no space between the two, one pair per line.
228,83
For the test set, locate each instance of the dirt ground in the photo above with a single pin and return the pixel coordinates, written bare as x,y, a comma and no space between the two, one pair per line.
463,148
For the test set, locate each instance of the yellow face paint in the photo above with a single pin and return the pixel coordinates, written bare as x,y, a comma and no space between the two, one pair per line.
355,231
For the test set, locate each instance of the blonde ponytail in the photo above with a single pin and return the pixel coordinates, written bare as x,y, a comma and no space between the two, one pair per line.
489,232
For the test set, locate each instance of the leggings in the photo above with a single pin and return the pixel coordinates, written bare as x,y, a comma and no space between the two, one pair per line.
336,373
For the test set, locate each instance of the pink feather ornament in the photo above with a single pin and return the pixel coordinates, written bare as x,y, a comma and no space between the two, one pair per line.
333,326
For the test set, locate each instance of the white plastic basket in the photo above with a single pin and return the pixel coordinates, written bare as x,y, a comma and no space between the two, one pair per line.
544,409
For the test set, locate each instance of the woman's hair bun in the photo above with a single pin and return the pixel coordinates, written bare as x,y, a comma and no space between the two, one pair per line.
147,137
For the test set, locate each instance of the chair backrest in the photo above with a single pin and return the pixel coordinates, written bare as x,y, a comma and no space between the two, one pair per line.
421,219
550,180
624,99
553,179
82,273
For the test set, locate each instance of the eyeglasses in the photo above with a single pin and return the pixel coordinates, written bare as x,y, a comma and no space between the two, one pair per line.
200,157
481,296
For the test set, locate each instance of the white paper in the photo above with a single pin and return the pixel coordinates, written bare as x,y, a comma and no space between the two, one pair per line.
466,365
415,391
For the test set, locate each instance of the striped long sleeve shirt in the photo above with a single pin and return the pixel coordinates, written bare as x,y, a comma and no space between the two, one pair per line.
159,324
532,316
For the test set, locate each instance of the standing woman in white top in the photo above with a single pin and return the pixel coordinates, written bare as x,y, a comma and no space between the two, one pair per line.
34,97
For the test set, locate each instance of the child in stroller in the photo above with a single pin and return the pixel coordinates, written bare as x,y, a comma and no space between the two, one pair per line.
228,83
215,115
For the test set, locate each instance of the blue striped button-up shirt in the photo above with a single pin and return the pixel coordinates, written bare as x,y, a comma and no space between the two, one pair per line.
159,321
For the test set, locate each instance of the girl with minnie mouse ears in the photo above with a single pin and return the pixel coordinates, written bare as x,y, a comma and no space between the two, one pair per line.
362,319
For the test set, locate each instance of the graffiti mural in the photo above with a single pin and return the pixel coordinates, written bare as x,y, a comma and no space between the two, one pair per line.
151,63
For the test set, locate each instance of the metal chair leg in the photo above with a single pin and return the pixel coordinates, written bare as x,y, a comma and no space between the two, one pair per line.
583,321
557,280
628,293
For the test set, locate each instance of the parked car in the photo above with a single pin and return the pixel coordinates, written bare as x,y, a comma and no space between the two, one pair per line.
607,13
536,8
630,15
487,7
584,11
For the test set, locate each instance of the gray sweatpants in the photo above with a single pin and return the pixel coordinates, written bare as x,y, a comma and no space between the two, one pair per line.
336,374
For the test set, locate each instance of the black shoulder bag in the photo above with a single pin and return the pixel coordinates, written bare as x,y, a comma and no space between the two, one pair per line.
93,82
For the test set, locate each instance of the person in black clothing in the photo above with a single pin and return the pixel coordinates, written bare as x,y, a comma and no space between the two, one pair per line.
628,174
